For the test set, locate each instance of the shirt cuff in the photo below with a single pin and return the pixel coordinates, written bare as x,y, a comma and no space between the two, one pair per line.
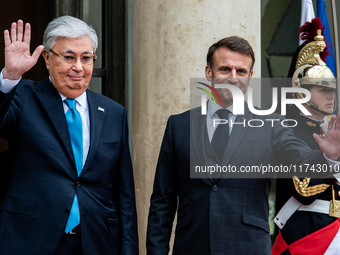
332,163
7,85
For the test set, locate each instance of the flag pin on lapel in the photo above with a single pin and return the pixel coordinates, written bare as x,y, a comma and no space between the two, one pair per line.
100,109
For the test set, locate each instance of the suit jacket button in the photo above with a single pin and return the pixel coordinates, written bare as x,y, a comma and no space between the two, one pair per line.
77,183
215,187
67,211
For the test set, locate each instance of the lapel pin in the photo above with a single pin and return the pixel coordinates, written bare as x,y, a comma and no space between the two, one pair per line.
100,109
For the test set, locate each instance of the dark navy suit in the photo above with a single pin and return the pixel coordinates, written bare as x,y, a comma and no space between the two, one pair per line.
35,209
217,216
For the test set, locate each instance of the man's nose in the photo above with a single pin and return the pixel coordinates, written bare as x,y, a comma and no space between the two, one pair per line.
232,79
78,66
331,95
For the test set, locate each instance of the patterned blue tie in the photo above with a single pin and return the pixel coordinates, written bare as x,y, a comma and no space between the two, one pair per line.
75,129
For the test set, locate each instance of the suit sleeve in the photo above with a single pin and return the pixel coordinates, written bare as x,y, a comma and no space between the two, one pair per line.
7,113
307,162
293,151
164,197
126,198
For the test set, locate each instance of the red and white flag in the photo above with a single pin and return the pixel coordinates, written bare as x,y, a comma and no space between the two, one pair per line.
307,12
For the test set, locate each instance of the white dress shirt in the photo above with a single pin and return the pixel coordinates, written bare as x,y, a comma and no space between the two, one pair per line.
7,85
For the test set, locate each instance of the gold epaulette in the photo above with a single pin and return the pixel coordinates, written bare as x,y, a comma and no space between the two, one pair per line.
302,187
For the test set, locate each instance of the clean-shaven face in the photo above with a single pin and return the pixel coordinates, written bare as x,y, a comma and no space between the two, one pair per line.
70,79
229,67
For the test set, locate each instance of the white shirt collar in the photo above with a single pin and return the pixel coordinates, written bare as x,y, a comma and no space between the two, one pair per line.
82,99
213,108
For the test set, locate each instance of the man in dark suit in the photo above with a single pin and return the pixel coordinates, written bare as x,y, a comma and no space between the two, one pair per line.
218,215
72,188
5,174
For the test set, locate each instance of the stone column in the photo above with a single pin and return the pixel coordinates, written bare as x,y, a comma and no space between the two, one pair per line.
170,43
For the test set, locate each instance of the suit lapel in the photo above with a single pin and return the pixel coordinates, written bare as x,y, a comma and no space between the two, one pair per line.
97,113
236,136
197,132
52,103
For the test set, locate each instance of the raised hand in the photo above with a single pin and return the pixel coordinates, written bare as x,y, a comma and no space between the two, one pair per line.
18,58
330,145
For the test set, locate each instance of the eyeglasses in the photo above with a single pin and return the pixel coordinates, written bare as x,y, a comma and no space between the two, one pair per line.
69,58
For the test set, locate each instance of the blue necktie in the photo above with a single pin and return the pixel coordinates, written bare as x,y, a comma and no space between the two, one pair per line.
75,129
221,135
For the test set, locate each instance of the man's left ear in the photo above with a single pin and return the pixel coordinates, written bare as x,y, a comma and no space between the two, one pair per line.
46,57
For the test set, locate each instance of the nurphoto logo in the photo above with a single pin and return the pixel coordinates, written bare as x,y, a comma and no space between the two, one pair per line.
238,99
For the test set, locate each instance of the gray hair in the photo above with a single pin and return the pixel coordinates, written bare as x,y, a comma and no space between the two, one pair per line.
69,27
